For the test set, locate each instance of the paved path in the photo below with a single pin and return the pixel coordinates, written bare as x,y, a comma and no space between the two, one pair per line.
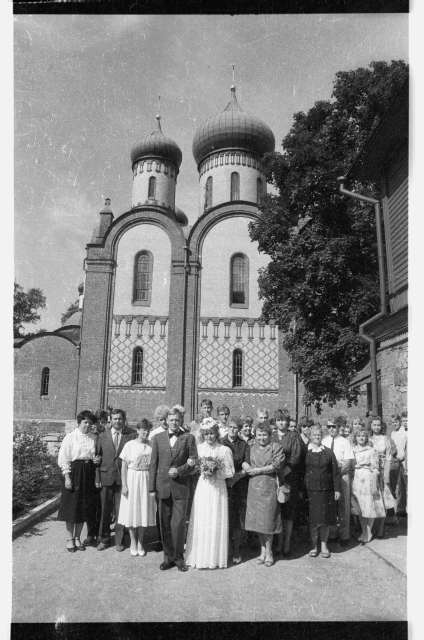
356,583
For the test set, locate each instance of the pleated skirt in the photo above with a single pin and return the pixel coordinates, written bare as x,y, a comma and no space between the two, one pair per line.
79,504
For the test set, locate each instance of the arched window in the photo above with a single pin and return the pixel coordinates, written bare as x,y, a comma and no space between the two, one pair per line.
143,273
152,188
208,194
239,281
259,191
45,379
237,368
137,368
235,186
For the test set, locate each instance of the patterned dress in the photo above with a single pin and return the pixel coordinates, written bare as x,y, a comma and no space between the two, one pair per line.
207,538
363,502
263,509
385,448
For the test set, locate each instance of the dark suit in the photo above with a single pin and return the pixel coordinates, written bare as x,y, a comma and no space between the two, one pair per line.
173,493
110,476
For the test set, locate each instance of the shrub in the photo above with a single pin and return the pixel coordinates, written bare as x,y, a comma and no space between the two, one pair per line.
34,469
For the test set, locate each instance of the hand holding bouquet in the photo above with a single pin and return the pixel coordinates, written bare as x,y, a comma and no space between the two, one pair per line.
207,466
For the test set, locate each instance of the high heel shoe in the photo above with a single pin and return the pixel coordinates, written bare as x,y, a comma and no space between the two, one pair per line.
79,545
133,551
141,552
73,548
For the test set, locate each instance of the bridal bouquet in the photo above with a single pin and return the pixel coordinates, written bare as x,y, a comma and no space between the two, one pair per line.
207,466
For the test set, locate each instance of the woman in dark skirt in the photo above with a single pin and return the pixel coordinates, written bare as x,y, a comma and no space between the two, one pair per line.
76,460
322,481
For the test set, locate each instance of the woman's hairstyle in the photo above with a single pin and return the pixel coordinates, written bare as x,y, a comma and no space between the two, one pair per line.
282,414
206,403
305,421
144,424
101,415
86,415
161,412
262,410
358,430
222,407
180,408
208,424
361,421
235,421
383,424
264,426
247,420
115,412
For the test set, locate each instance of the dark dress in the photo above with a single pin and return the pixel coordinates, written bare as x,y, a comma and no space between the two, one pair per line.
322,479
263,509
237,494
291,443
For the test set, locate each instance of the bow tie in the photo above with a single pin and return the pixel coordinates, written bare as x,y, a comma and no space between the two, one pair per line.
171,435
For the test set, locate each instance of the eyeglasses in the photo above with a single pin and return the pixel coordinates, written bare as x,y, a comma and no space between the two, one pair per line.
332,426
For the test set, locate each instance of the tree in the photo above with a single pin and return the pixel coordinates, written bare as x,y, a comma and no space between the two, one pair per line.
322,281
74,306
25,308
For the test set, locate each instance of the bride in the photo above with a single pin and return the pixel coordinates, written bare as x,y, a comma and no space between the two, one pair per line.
207,539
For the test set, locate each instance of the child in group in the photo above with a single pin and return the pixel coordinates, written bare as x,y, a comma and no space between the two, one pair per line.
137,509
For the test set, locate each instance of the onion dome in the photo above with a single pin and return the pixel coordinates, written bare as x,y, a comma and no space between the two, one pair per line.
232,128
181,217
157,145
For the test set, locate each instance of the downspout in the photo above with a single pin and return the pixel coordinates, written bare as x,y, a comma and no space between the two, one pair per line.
383,298
186,274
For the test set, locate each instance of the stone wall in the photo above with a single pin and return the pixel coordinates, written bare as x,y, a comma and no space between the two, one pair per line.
393,363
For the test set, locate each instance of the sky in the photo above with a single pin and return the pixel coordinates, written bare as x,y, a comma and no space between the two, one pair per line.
86,88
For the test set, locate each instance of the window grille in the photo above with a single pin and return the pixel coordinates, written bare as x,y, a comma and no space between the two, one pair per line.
143,277
238,280
152,187
235,186
137,372
45,379
237,368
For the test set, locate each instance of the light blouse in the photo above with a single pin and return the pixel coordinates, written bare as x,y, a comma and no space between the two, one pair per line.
137,455
76,446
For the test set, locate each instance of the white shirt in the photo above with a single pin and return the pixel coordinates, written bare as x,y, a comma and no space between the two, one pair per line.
320,448
342,448
76,446
222,430
400,438
155,431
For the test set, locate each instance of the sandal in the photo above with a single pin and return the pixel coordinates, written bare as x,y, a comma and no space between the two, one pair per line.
313,553
237,560
325,554
261,560
73,548
269,560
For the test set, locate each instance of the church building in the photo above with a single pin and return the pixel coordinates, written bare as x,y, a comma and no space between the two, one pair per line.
170,313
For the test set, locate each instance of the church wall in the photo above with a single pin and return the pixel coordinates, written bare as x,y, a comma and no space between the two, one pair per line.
166,179
221,175
137,238
61,357
224,239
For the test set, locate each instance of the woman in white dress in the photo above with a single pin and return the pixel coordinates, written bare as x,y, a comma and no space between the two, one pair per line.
137,509
366,499
386,449
207,539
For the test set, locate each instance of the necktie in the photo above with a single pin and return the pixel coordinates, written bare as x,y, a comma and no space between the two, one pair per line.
116,441
332,444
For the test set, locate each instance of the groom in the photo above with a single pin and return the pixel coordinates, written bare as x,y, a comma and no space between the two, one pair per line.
173,458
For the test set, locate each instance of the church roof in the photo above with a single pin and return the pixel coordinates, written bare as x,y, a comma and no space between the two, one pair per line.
156,144
232,128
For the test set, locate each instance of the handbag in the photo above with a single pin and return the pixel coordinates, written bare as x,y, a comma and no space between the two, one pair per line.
283,492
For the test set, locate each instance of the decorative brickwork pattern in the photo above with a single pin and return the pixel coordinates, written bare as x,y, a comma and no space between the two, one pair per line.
154,347
260,360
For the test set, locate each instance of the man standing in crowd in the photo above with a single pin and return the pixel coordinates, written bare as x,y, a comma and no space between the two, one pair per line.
206,407
344,453
398,479
223,419
109,446
173,457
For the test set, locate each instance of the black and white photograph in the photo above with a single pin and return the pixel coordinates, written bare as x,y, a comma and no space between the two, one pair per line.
210,397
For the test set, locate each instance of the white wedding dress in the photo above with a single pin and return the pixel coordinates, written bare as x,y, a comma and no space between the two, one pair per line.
207,539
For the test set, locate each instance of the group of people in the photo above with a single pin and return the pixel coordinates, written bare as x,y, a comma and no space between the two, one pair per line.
205,483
